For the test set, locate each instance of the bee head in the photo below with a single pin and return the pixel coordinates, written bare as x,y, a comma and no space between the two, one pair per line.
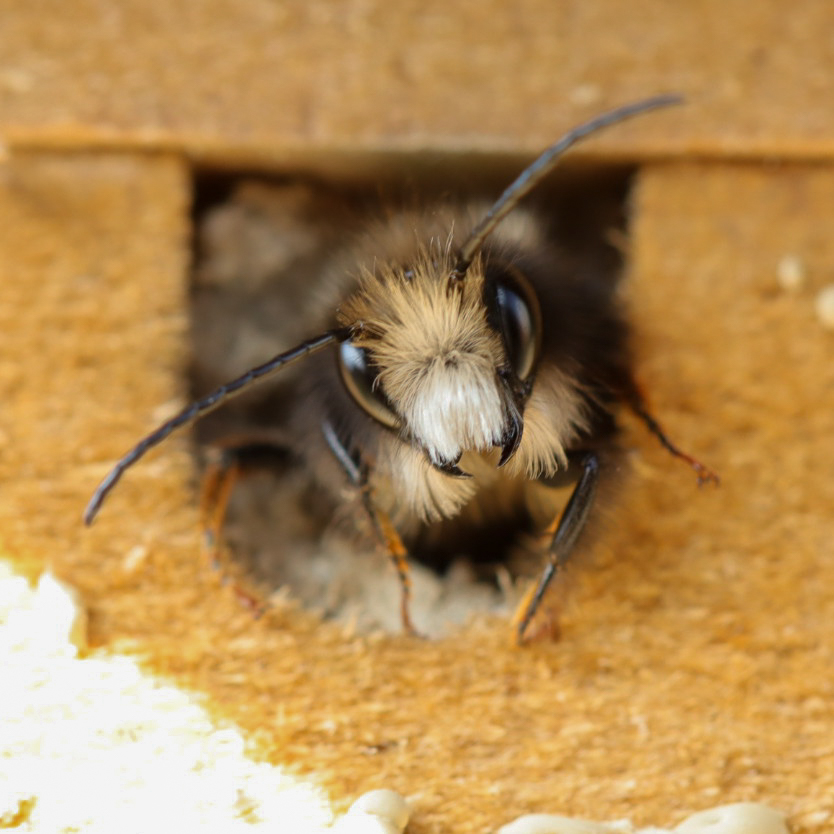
444,350
447,364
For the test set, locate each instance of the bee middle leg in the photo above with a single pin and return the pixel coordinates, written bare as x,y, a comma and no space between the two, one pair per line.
564,532
357,471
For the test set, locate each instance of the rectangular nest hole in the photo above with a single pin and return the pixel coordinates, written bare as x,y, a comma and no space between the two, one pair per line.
262,253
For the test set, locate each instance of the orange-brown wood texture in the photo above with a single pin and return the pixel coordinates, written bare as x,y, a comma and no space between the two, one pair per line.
695,663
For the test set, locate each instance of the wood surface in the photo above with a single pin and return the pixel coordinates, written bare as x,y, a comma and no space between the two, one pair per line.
695,664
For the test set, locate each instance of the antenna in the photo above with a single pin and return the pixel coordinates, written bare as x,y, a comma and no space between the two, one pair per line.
534,173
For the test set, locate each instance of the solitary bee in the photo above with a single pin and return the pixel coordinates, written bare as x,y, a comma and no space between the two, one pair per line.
467,364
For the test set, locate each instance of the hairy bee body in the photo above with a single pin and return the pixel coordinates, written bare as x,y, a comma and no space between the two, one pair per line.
581,374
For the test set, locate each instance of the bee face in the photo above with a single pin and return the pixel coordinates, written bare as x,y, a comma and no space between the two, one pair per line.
447,366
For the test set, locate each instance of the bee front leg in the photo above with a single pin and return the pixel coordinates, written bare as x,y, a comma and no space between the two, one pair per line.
565,530
397,553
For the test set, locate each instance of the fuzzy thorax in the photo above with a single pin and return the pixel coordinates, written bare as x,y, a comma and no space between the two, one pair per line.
436,353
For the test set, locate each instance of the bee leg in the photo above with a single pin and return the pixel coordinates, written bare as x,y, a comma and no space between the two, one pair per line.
565,531
637,403
398,555
222,472
358,471
226,464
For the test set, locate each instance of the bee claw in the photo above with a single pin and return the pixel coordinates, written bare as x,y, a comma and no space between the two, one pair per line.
512,439
451,468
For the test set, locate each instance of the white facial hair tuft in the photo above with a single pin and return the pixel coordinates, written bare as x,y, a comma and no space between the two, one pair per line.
455,407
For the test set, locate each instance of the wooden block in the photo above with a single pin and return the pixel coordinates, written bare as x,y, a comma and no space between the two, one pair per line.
330,83
93,253
695,659
728,264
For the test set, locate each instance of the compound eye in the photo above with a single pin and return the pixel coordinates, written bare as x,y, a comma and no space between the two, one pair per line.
520,317
360,378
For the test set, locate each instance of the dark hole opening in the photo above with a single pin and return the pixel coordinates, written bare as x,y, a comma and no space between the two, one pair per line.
261,244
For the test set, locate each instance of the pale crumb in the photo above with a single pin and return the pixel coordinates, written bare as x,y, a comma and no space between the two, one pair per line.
15,80
824,306
376,812
385,804
585,94
791,272
45,621
364,824
134,558
165,411
61,603
555,824
816,817
738,818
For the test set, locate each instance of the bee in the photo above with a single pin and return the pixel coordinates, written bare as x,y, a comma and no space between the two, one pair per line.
465,364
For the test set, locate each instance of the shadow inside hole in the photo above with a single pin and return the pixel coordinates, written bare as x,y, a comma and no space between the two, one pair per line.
261,249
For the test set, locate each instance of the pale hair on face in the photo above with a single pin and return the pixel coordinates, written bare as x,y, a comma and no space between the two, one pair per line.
437,355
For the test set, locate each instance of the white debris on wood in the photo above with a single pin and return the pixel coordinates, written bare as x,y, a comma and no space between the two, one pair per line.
376,812
738,818
824,306
94,744
791,273
45,621
555,824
